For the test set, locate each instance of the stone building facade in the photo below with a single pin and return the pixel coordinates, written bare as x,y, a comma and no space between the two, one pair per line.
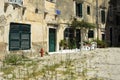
34,24
113,24
87,10
23,26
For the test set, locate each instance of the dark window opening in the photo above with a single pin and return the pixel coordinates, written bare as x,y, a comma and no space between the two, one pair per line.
36,10
111,36
51,0
79,9
103,16
19,36
103,37
88,10
111,11
117,20
119,38
90,34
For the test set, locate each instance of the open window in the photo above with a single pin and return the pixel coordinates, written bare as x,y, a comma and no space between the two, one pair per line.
90,34
88,10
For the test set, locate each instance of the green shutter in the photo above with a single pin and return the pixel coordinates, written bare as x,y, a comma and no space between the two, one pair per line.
80,7
103,16
14,41
25,42
76,9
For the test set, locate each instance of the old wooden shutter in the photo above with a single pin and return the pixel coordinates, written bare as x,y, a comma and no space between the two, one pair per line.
103,16
79,9
19,36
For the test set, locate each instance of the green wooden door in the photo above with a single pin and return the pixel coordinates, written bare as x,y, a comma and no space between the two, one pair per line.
52,40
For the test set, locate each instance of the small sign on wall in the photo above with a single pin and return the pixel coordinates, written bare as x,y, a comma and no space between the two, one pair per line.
58,12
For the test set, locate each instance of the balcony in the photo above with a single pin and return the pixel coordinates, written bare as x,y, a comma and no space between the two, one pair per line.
14,2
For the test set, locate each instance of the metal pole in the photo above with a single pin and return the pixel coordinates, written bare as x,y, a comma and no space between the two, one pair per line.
97,25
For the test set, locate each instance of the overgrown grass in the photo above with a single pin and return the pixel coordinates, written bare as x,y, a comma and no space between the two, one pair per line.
49,70
8,70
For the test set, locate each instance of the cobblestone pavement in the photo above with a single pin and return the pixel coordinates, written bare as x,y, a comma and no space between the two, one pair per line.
108,63
100,63
105,62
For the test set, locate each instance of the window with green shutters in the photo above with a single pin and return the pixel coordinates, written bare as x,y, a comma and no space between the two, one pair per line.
103,16
79,9
19,36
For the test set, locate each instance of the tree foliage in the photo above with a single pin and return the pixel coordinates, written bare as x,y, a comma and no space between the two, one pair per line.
82,24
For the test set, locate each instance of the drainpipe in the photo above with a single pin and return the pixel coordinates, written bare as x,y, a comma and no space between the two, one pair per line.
97,25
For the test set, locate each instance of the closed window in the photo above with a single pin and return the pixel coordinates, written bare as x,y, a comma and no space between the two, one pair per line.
19,36
79,9
103,16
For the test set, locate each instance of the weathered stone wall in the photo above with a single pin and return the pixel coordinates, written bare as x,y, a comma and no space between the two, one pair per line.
113,27
67,12
66,7
39,20
15,14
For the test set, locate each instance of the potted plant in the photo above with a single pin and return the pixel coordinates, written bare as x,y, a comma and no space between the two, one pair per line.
62,44
101,44
86,43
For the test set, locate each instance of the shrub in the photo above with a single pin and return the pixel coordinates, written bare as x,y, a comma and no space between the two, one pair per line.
86,42
46,53
101,44
8,69
63,43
